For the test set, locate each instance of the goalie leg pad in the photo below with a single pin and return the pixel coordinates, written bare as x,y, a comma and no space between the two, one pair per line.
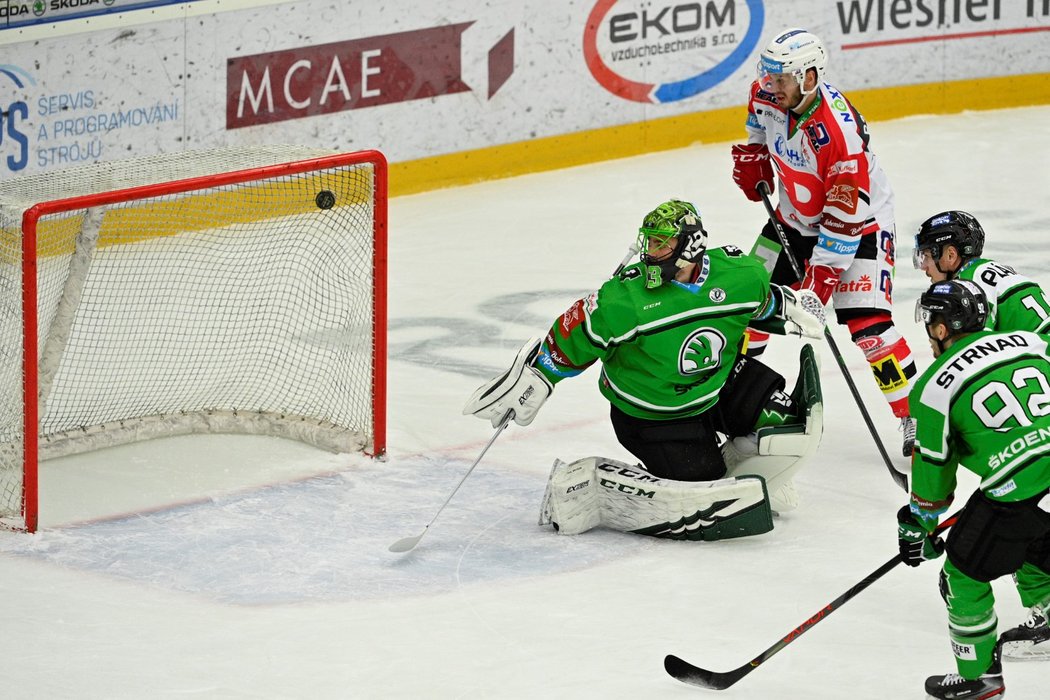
777,453
570,502
627,498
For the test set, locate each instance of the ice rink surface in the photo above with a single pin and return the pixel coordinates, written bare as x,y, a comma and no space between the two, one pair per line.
223,567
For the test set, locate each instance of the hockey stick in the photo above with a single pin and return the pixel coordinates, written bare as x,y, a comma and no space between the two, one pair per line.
897,476
713,680
631,252
406,544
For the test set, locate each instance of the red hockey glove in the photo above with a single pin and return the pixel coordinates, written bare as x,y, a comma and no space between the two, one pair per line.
822,279
750,167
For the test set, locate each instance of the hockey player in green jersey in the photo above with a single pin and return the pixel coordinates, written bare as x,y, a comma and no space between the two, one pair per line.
983,404
667,332
949,245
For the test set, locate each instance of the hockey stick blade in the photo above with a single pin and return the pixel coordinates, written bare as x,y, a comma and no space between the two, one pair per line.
700,677
407,544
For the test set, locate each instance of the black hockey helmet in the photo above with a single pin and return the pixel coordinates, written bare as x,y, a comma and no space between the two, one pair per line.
954,227
959,304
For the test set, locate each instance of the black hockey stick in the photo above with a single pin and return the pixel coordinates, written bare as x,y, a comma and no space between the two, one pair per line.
713,680
900,478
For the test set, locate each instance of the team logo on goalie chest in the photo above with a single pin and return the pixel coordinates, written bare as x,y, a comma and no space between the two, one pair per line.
701,351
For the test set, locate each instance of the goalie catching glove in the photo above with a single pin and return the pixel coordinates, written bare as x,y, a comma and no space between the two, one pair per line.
796,312
521,389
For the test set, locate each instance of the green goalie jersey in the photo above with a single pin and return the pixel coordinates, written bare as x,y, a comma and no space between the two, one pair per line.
1016,302
665,351
985,405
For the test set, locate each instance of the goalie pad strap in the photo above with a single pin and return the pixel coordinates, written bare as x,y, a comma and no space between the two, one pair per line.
598,491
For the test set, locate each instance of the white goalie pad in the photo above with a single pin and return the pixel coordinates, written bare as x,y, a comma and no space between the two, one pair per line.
776,454
597,491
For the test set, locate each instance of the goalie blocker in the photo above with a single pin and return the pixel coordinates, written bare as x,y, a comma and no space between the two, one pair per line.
597,491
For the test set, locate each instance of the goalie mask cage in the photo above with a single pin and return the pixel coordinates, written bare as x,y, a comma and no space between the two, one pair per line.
240,290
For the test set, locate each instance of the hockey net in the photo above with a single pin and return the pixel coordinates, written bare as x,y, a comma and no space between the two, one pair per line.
239,290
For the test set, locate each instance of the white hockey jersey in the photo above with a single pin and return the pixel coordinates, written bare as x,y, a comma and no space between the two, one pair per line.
831,185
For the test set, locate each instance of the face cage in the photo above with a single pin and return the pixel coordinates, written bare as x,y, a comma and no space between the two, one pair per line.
662,270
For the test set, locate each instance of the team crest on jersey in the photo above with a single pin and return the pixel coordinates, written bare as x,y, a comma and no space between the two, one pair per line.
717,295
818,135
572,317
844,195
701,352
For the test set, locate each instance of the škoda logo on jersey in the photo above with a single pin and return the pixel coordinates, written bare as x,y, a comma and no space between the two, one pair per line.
701,351
693,46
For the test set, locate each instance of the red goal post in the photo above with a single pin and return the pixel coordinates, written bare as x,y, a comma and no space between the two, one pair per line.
237,290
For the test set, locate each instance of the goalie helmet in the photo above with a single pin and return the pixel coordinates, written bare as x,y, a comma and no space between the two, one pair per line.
958,304
955,228
793,51
672,219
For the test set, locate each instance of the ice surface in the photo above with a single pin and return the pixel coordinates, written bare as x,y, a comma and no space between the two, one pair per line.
245,567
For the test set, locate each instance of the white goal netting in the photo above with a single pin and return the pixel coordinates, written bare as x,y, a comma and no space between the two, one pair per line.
235,303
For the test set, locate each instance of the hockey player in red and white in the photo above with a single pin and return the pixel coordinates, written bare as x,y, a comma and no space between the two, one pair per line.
835,204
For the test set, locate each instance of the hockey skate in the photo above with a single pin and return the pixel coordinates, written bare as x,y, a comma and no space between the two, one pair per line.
1029,640
955,687
908,430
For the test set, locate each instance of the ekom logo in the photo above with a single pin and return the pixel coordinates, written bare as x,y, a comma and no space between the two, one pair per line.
655,52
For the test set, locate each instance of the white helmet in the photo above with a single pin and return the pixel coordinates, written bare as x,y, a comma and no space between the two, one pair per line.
793,51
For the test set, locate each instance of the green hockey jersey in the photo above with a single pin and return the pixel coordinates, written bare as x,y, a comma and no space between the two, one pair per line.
1015,303
666,351
985,405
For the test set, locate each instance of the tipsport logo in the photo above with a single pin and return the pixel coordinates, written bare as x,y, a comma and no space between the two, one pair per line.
14,116
692,46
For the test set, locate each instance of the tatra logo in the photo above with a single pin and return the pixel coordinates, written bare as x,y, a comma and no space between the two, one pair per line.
695,45
701,352
859,285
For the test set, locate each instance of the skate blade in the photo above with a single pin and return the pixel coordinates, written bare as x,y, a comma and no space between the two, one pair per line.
1026,651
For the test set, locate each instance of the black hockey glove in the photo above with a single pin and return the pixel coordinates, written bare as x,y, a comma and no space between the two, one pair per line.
915,542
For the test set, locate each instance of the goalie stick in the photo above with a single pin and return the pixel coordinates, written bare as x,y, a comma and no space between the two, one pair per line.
898,477
713,680
407,544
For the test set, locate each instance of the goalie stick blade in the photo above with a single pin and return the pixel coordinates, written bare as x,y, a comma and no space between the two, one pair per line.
702,678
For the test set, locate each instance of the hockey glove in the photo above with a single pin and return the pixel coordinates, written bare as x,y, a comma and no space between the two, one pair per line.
803,312
822,280
750,167
915,542
521,389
